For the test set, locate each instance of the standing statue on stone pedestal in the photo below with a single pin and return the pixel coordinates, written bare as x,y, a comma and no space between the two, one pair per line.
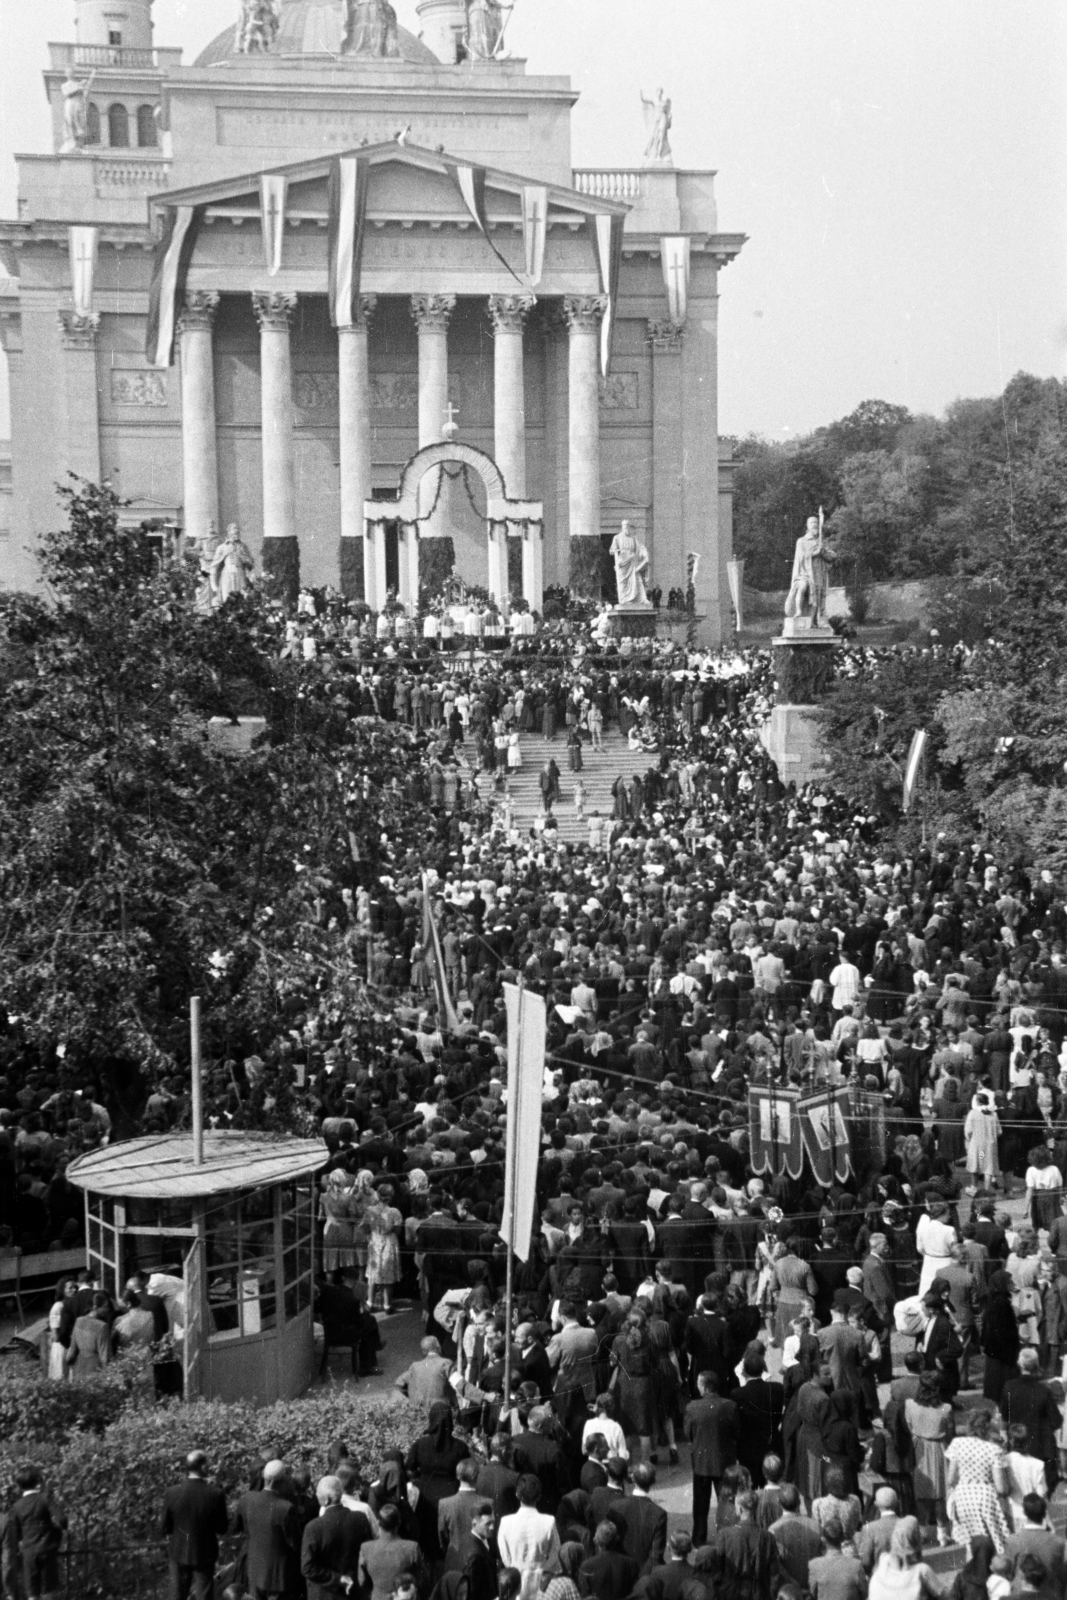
204,556
231,566
485,27
75,114
370,29
631,562
258,27
658,121
811,575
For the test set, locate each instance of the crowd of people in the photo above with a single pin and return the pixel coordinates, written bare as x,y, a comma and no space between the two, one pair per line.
727,933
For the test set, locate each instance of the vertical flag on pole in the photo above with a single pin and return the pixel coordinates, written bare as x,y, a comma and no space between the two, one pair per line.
735,576
527,1026
272,187
83,246
609,259
534,229
347,208
431,943
167,291
911,770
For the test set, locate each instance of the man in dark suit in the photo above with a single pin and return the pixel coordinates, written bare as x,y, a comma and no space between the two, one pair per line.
332,1543
760,1408
705,1343
533,1360
33,1534
1028,1399
644,1523
605,1502
477,1558
496,1481
533,1451
608,1574
455,1513
272,1529
711,1426
194,1519
665,1582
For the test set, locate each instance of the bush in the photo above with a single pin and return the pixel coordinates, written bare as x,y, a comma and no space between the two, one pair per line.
115,1479
36,1410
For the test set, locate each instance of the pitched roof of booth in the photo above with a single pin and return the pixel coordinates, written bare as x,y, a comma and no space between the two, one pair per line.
160,1166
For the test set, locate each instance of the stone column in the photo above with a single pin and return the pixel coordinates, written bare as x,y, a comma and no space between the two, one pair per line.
81,403
508,313
669,553
432,313
353,406
533,565
281,552
200,467
583,314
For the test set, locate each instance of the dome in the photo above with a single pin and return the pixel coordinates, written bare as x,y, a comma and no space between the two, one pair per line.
312,28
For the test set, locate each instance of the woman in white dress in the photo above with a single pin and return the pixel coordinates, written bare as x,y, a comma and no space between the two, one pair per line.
514,751
934,1238
60,1322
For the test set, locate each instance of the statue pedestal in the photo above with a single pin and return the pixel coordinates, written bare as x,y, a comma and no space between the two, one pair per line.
803,659
635,622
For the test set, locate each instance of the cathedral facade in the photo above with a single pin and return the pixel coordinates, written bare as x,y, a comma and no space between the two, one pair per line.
252,289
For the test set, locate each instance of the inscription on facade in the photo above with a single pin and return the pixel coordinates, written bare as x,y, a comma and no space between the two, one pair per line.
619,392
325,130
133,387
394,392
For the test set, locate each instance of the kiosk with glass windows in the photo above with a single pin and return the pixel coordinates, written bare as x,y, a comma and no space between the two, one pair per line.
228,1244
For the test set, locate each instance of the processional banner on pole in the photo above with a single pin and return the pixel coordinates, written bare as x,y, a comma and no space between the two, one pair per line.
774,1131
826,1135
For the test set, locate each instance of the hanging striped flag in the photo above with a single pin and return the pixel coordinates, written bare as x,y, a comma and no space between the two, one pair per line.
347,225
169,269
674,253
527,1029
609,257
534,229
272,188
911,769
431,944
83,244
471,183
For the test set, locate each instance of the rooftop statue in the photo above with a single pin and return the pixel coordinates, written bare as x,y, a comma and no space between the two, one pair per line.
370,29
658,120
258,27
486,21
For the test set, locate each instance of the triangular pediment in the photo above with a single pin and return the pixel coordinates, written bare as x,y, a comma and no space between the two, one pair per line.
406,183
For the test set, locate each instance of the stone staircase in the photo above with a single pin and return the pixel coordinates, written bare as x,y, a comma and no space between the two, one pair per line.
600,768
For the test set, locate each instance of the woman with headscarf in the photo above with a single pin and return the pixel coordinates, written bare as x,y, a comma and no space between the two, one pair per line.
843,1441
929,1420
1000,1336
970,1582
390,1488
901,1572
563,1584
977,1476
431,1462
948,1119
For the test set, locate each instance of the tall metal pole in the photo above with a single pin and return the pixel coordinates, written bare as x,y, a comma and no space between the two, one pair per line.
198,1096
510,1165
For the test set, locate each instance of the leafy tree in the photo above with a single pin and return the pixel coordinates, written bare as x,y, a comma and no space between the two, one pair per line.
138,863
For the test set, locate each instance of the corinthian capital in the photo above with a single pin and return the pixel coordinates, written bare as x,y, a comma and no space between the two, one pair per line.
273,308
432,311
509,311
199,309
79,329
584,311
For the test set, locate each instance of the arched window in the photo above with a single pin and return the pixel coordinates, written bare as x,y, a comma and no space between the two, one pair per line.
146,127
92,123
118,127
